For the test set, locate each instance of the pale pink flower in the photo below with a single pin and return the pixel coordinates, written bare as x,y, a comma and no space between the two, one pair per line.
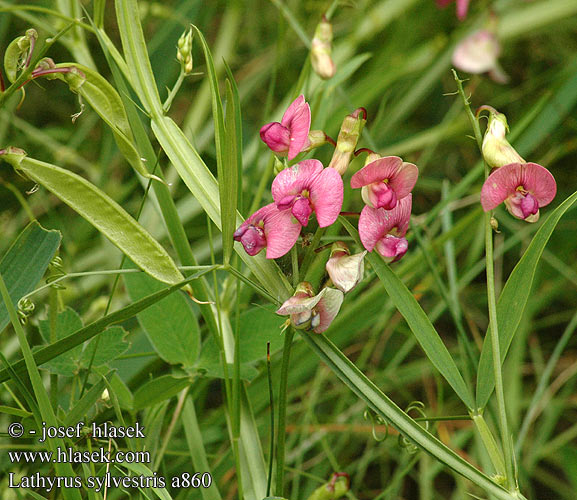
269,227
385,181
345,270
307,187
523,187
462,7
478,53
385,229
290,136
310,311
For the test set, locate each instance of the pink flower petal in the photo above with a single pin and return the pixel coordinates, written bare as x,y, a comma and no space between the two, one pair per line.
376,171
374,224
504,182
462,8
405,179
276,137
282,232
539,182
328,307
297,119
326,194
477,53
292,181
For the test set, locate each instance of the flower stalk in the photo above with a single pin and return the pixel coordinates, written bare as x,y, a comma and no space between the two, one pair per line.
506,444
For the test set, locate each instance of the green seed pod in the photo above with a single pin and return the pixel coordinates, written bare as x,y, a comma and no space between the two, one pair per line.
18,52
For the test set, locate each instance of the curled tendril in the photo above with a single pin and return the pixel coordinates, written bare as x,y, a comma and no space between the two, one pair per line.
377,420
25,309
56,271
404,442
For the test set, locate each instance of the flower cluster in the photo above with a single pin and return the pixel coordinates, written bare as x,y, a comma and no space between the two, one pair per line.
307,188
523,187
386,185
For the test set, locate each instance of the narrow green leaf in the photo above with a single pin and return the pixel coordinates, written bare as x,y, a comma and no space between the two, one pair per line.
383,406
158,389
50,352
112,344
170,324
196,447
141,470
228,177
418,322
513,300
46,410
84,404
102,212
25,262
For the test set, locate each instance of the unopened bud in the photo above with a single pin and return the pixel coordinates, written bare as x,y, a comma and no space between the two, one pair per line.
496,149
495,225
317,138
321,48
348,138
184,51
334,489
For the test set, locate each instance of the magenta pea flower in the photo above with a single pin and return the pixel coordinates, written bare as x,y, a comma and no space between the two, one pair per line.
462,7
290,136
271,228
385,229
385,181
310,311
307,187
523,187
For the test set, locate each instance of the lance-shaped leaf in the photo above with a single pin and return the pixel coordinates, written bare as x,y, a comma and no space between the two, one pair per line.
25,262
419,323
102,212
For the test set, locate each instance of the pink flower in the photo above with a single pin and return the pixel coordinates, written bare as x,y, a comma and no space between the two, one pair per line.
310,311
478,53
268,227
307,187
524,187
462,7
385,229
385,181
291,134
345,270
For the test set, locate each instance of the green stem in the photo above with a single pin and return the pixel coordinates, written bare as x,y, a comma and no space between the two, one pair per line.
282,395
174,91
490,443
506,443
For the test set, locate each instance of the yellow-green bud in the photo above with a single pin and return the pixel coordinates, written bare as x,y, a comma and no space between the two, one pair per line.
496,149
334,489
317,138
348,138
321,48
184,51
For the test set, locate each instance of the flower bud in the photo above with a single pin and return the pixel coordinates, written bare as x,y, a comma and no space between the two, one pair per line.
336,488
348,138
321,60
316,139
345,270
496,149
184,51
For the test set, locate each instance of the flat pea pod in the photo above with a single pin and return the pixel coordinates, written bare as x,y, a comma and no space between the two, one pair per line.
15,53
102,212
107,103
